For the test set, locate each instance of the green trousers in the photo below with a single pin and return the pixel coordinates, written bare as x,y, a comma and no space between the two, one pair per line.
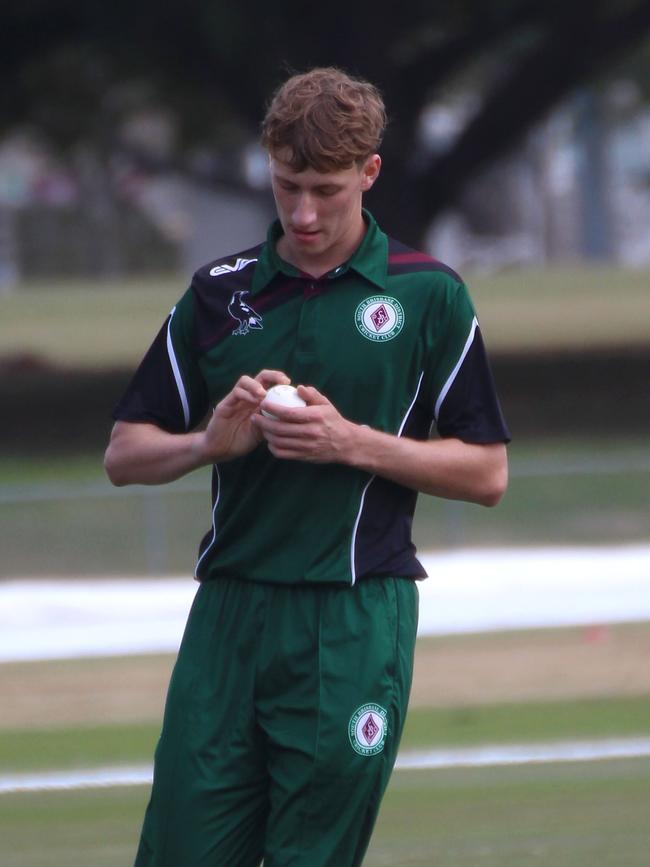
282,724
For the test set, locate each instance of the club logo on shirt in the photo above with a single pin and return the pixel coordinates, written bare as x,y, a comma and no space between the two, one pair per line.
367,729
379,318
243,313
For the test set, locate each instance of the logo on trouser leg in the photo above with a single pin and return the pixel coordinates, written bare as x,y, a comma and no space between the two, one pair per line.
367,729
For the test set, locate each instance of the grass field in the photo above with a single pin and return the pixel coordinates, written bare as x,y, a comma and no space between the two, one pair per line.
467,688
92,325
550,816
82,746
76,713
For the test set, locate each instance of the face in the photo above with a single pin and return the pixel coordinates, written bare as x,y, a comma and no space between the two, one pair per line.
320,212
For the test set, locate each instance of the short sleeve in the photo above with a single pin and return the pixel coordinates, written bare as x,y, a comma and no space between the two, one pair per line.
465,401
168,389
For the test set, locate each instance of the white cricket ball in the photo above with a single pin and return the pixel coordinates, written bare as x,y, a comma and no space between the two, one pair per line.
284,395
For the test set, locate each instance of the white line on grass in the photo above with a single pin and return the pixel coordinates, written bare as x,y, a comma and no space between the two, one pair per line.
520,754
92,778
465,757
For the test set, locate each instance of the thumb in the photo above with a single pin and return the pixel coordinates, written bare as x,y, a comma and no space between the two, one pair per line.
312,396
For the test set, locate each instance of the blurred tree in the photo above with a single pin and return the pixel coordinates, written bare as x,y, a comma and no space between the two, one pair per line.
74,69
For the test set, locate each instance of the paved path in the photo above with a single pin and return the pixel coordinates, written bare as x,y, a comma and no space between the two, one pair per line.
467,591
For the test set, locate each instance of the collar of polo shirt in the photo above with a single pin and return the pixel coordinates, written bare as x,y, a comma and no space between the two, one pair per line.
370,259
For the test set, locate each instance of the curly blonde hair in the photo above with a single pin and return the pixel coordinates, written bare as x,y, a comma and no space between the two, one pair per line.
325,120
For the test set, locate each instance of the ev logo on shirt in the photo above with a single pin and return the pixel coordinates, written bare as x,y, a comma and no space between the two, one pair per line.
379,318
367,729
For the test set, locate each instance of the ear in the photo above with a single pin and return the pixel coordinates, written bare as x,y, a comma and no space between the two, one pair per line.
370,171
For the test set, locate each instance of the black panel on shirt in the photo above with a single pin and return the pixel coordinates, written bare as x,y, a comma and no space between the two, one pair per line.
212,295
152,395
406,260
383,540
470,410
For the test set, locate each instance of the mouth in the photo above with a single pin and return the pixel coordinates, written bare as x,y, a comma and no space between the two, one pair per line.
306,236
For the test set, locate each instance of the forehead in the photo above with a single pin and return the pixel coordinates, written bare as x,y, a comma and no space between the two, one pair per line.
310,177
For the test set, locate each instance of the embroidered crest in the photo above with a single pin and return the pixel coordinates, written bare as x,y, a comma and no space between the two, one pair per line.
367,729
243,313
379,318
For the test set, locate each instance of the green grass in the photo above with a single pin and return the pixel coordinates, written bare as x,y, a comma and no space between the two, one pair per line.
39,469
573,815
425,728
88,324
71,829
580,493
132,533
81,747
524,723
553,308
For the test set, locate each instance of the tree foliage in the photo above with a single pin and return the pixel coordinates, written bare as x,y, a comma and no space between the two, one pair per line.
72,69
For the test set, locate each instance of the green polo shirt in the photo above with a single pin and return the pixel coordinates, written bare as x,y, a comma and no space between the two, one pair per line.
389,337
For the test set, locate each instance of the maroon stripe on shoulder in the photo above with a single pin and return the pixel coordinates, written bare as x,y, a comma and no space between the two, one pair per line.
407,258
281,290
411,263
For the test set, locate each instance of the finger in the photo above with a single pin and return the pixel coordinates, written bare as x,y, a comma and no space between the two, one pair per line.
253,386
288,449
293,453
238,397
312,396
288,414
297,417
246,385
246,388
239,403
272,377
277,427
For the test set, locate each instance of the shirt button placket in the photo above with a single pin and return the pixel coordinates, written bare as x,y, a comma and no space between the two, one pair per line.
308,325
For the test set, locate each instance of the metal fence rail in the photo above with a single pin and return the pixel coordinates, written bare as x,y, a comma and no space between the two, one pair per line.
95,528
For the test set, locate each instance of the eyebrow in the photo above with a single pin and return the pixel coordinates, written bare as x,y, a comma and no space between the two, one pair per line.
322,185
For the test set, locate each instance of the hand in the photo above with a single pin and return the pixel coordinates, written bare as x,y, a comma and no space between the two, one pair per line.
229,433
317,433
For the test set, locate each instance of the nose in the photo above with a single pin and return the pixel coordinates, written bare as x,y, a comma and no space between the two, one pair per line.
304,213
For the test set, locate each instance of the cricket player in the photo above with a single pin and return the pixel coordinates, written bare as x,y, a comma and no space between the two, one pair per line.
289,694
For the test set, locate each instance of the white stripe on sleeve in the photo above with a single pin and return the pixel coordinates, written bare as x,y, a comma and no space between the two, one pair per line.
177,372
452,376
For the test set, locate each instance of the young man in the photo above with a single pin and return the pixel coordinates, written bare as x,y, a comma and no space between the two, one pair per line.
288,697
